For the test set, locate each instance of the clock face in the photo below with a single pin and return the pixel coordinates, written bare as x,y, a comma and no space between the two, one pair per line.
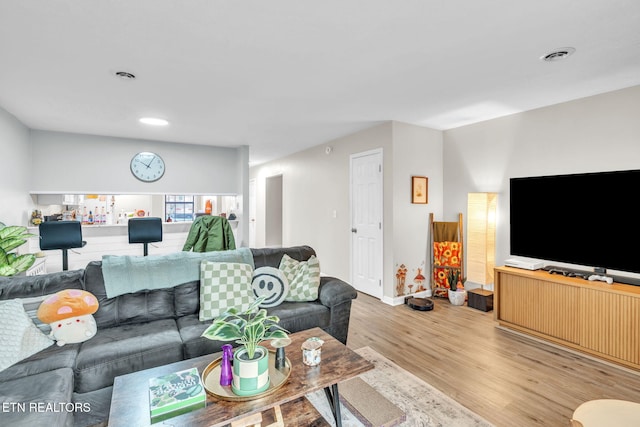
147,167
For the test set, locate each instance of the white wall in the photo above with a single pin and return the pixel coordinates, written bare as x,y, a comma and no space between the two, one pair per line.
316,184
242,199
598,133
57,162
15,171
79,163
417,151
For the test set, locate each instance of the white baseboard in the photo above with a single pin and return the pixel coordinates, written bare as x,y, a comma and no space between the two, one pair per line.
400,300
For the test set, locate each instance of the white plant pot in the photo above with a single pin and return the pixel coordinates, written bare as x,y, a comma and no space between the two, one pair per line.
457,297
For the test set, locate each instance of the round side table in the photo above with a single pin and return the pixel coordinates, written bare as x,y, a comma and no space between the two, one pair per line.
605,413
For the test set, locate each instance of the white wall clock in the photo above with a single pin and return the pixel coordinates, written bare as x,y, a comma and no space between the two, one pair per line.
147,167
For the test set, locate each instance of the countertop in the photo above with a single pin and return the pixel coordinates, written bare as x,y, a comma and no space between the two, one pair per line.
122,229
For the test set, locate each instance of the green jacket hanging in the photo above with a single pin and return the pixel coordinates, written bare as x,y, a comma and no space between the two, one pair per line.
210,233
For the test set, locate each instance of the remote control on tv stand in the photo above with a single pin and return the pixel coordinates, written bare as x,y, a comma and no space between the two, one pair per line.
551,269
607,279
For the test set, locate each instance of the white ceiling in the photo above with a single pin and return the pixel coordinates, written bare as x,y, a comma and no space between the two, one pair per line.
284,75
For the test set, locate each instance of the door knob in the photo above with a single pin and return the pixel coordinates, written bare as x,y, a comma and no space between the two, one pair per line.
354,230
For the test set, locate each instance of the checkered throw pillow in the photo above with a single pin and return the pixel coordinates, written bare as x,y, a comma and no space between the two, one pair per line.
303,277
224,285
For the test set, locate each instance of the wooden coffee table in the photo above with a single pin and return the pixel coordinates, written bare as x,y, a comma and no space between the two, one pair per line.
130,399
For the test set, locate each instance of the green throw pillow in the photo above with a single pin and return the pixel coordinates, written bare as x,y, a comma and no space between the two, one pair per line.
303,277
224,285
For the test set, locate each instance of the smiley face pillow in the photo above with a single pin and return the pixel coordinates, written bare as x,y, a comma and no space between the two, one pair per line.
70,315
270,283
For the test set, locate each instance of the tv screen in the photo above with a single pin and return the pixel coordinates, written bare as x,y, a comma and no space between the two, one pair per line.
589,219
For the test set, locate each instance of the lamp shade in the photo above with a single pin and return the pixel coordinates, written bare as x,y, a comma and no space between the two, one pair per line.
481,237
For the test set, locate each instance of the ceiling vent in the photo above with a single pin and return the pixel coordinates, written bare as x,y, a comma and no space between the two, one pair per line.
558,54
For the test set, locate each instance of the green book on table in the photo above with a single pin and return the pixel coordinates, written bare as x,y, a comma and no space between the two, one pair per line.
176,393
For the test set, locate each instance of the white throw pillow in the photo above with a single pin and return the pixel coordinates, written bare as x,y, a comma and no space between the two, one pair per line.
224,285
303,277
20,338
271,283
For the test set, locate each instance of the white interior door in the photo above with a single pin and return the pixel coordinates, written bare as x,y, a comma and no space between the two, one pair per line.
366,222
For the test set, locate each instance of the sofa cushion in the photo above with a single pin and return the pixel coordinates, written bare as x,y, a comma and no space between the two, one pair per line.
45,399
124,349
142,306
224,285
100,403
298,316
32,286
191,329
271,256
303,277
49,359
187,298
19,336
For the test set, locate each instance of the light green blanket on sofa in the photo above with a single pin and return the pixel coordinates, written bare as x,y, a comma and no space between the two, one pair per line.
125,274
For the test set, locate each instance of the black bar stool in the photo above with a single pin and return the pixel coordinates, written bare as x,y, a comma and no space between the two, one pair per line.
62,235
145,230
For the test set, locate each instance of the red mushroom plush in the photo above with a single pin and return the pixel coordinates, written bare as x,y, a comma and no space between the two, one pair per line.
70,315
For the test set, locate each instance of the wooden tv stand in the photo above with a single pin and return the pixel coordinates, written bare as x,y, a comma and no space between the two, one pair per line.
596,318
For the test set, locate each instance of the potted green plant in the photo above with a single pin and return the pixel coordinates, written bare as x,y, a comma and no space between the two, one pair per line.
457,294
247,328
12,237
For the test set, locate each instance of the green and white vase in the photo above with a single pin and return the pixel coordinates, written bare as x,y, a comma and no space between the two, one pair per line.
250,376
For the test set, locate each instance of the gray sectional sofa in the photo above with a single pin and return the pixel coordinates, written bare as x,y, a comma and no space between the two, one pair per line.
135,331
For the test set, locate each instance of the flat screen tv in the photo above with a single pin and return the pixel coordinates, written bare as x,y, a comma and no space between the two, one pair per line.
588,219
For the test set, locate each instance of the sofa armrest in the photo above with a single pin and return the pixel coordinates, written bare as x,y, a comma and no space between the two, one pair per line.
334,291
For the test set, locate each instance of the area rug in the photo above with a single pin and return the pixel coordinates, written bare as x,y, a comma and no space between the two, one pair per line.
422,404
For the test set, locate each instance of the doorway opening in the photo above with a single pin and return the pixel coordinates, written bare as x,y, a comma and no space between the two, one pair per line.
273,211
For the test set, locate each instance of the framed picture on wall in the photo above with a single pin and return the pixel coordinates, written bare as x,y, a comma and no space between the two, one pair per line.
419,189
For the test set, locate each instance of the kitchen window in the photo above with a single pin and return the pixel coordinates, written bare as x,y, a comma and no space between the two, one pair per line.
179,208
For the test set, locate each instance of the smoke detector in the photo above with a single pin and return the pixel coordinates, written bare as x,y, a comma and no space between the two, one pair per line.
558,54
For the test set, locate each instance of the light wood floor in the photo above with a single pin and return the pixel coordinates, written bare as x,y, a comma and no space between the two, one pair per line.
508,379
